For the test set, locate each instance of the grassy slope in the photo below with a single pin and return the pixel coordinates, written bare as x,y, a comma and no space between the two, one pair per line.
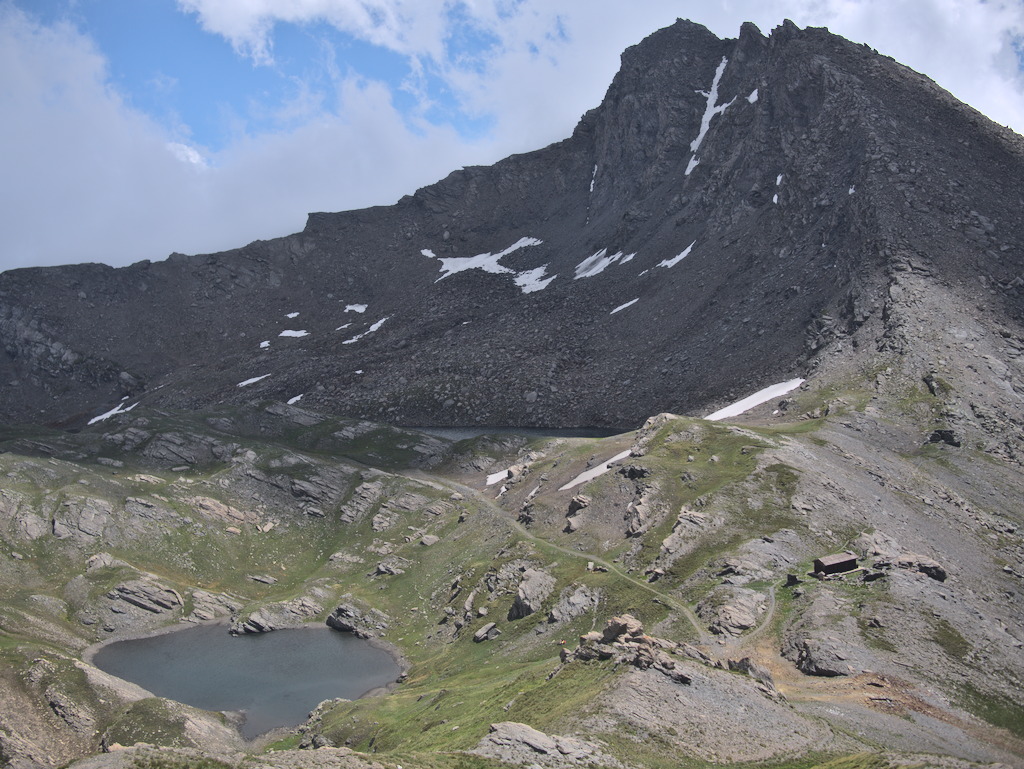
456,687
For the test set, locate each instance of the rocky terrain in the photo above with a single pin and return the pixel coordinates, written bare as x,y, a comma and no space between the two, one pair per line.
784,206
807,180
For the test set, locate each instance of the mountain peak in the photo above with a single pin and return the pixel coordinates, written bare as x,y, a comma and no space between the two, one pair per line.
734,213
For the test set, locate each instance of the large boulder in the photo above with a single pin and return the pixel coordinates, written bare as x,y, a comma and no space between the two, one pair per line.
534,587
624,626
487,633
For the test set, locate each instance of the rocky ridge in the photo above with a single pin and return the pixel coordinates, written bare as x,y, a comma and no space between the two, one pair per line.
836,192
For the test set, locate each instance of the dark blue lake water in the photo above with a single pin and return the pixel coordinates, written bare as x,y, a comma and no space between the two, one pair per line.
275,679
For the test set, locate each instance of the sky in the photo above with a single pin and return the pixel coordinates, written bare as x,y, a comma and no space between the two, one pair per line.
131,129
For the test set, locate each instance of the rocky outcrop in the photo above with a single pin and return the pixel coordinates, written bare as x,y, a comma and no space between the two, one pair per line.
731,610
365,496
575,514
349,618
148,595
826,656
216,510
825,640
209,606
914,562
276,616
323,491
181,449
534,588
82,519
574,602
517,743
391,566
623,639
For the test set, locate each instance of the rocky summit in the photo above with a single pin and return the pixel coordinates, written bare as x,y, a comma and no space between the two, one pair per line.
827,575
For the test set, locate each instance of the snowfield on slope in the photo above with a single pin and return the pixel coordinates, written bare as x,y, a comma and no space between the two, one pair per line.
116,410
598,262
761,396
370,330
594,472
528,280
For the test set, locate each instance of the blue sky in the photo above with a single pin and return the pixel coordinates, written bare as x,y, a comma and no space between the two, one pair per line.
134,128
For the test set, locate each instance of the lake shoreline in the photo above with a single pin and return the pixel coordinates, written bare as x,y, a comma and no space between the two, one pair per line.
237,717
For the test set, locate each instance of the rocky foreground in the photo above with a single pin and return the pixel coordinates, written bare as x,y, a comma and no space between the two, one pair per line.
666,609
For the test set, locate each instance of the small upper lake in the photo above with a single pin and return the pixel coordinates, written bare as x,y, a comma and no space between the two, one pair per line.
275,678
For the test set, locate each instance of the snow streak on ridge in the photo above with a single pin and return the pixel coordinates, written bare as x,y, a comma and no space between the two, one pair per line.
710,111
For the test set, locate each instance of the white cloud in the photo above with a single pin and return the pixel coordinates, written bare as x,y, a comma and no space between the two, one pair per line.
187,154
90,178
552,61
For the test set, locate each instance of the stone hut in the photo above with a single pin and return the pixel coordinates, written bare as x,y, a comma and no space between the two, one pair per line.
836,563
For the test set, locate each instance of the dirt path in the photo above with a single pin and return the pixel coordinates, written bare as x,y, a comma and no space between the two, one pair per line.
704,638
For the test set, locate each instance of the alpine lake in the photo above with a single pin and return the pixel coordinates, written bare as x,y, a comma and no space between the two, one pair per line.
272,679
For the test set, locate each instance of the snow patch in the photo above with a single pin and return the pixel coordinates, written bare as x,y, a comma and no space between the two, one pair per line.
528,280
370,330
775,198
597,263
676,259
487,262
778,180
710,110
493,478
533,280
593,178
753,96
594,472
116,410
296,399
761,396
292,315
254,380
624,306
356,307
296,334
339,328
851,190
264,344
